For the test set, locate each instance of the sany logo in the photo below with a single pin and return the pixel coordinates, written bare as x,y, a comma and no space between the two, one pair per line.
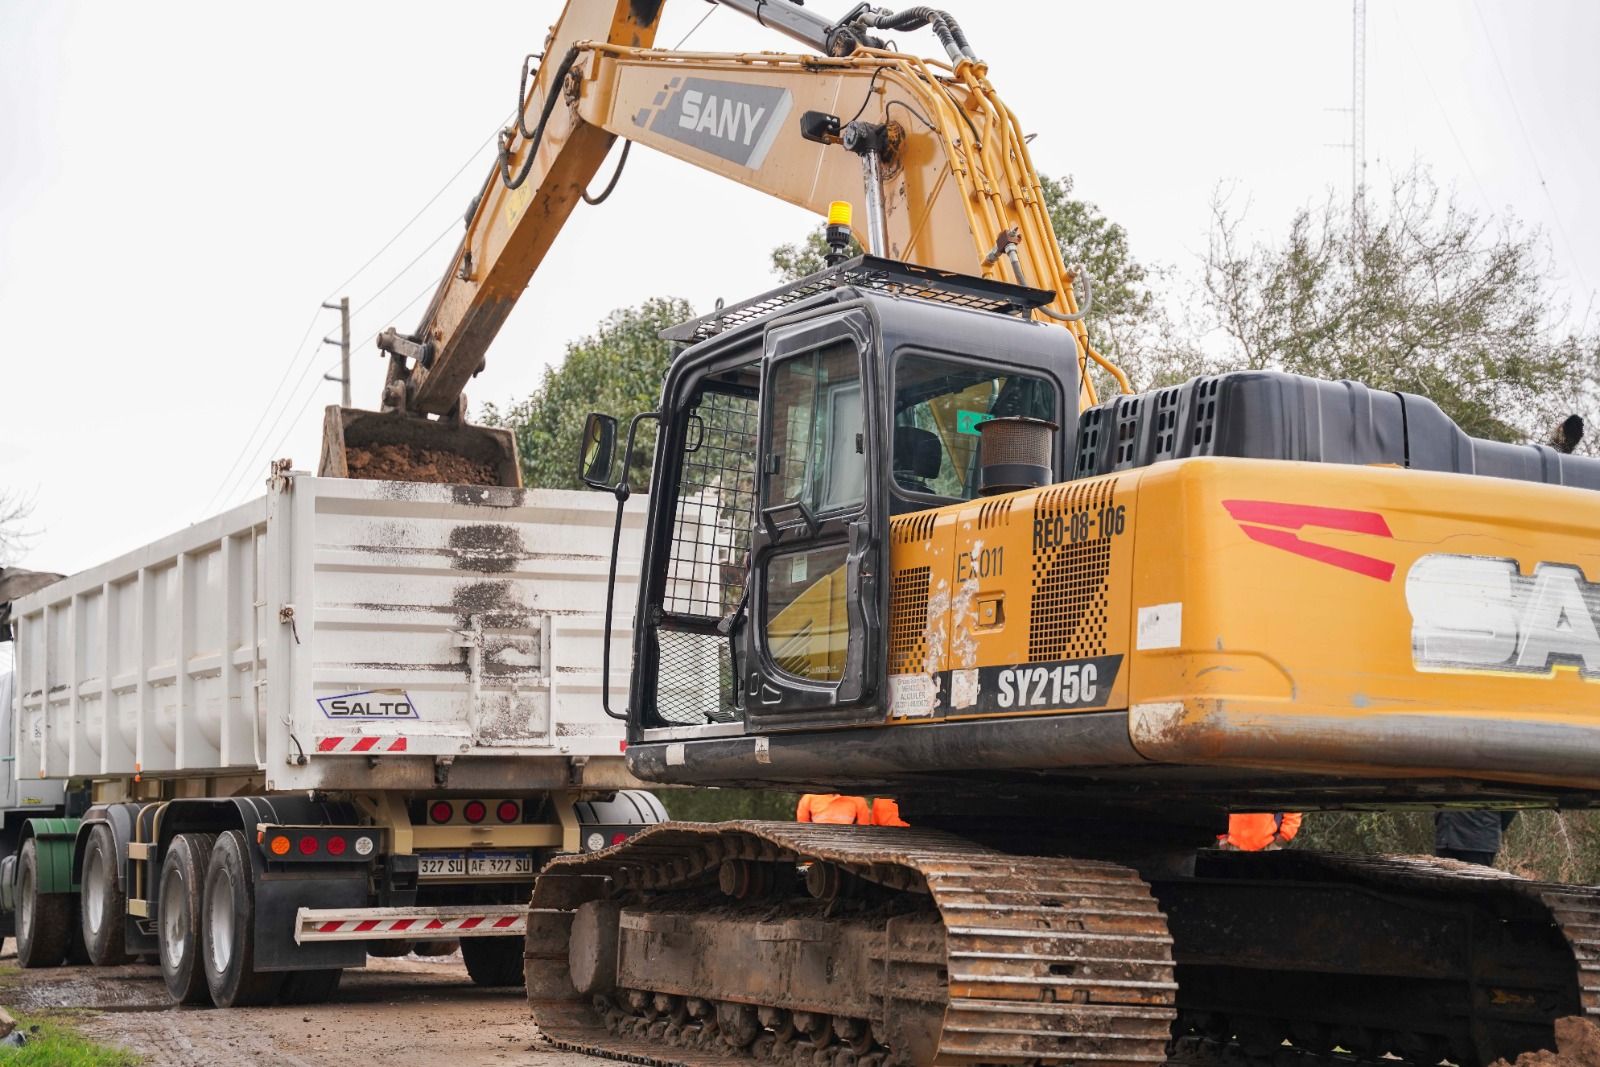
1480,613
1272,523
732,120
736,121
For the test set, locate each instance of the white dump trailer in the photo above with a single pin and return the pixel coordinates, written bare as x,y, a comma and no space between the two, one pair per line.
342,717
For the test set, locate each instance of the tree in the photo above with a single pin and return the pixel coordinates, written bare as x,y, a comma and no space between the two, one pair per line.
618,370
14,537
1122,322
1419,295
794,261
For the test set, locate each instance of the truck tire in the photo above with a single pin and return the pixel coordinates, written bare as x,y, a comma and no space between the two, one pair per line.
493,961
228,935
178,917
310,987
388,950
43,919
103,910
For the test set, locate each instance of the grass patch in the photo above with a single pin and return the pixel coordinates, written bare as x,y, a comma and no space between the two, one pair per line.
55,1044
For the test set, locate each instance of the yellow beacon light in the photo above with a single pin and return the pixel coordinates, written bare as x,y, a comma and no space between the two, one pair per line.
837,233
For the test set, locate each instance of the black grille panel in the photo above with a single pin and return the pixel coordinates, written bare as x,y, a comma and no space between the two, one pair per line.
1070,579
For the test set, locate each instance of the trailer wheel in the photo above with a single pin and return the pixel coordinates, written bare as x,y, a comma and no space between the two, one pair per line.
42,918
178,912
310,987
229,933
493,961
104,906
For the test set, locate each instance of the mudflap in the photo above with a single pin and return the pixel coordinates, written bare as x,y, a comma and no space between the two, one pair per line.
279,897
57,843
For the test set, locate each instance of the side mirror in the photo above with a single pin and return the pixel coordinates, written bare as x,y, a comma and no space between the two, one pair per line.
596,457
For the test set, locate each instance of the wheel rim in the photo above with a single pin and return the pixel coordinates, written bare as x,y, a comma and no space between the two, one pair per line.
95,890
174,920
219,921
25,905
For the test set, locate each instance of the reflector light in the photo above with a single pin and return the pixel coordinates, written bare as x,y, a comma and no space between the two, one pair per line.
336,846
309,846
279,846
442,811
619,837
508,811
474,811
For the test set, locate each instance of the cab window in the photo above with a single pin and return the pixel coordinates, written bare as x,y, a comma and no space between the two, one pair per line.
938,406
816,431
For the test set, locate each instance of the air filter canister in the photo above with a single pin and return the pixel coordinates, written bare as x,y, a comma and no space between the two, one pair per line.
1014,453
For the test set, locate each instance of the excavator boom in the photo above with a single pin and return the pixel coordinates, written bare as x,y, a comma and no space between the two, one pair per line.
930,158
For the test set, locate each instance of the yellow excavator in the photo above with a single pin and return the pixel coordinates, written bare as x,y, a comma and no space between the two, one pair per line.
896,544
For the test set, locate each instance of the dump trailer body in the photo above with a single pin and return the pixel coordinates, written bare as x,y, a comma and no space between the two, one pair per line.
337,634
20,799
370,711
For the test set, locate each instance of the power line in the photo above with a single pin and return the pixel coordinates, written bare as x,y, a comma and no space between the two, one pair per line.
312,395
1443,112
709,12
1533,157
284,377
246,451
476,152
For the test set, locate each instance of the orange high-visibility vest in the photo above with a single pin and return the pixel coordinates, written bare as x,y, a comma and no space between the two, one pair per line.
886,812
835,808
1254,832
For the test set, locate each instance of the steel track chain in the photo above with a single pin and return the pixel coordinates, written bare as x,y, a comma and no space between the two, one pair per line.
1049,961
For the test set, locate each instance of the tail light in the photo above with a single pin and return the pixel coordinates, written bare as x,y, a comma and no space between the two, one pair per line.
336,846
475,811
508,811
308,846
619,837
441,811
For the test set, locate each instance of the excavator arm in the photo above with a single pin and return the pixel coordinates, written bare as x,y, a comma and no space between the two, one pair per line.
927,154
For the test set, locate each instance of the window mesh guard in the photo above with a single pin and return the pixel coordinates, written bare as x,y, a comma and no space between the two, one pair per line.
708,564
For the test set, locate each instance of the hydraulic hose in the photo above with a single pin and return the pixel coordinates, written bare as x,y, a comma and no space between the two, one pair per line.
944,26
534,136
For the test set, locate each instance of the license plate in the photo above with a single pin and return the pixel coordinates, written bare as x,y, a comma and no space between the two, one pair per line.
475,865
499,864
442,865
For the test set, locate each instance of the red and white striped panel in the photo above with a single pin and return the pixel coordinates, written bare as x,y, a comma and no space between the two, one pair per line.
340,744
379,924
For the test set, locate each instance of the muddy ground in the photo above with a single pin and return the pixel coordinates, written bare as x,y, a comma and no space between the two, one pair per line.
400,1011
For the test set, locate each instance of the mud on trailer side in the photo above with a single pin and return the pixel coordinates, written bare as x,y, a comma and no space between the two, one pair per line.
342,717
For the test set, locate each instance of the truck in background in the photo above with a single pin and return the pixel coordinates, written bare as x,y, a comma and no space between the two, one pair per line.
345,716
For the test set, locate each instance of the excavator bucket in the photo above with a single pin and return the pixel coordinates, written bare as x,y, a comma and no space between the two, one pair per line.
390,446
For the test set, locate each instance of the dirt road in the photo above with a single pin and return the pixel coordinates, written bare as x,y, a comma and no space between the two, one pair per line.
400,1012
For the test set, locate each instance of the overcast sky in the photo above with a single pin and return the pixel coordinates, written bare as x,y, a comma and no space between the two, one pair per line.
182,184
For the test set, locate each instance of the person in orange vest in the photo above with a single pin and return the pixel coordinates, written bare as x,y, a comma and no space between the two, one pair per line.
886,812
1261,830
834,808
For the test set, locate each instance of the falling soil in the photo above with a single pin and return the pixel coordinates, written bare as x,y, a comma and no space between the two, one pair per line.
407,463
1578,1041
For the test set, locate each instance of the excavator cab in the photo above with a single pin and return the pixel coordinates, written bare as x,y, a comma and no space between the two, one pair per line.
792,428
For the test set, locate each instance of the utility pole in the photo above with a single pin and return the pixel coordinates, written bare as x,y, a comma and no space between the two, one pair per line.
343,308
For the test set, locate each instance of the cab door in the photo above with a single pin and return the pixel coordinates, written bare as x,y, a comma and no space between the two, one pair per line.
815,639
